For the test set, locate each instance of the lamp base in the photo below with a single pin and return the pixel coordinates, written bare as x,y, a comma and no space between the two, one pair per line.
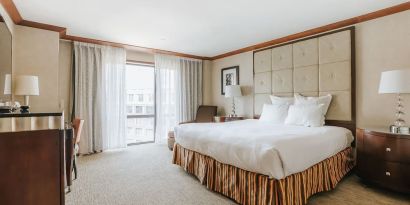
24,109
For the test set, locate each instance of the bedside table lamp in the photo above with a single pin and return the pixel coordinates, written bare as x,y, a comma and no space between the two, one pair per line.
233,91
26,85
397,82
7,84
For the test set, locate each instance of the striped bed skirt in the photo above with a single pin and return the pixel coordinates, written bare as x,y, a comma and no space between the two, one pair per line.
250,188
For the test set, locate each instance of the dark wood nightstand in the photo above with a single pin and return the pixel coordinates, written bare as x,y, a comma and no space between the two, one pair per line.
383,158
227,118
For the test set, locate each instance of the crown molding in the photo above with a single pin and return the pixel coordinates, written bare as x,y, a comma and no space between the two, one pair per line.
11,9
14,14
326,28
131,47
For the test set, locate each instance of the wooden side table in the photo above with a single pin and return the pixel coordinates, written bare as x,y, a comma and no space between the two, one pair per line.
227,118
383,158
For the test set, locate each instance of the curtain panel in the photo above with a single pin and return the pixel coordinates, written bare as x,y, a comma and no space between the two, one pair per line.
178,92
99,96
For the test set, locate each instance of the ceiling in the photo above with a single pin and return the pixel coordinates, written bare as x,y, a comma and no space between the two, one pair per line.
204,28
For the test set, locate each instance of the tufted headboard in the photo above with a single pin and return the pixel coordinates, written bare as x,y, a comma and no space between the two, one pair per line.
315,66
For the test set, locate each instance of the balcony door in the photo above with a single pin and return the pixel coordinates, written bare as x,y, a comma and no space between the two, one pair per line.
140,85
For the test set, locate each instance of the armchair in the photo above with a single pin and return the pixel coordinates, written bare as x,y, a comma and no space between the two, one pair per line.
205,113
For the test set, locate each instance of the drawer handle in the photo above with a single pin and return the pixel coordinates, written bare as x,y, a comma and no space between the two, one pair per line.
388,149
388,174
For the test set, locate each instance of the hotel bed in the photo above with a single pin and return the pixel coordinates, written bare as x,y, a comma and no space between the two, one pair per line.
259,162
262,147
256,162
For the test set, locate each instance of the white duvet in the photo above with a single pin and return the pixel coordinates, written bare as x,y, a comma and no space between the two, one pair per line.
262,147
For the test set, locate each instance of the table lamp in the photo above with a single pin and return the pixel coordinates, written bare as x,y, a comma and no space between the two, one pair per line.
396,82
7,84
26,85
233,91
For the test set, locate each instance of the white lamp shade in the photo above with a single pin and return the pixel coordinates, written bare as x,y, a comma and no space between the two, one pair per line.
26,85
7,84
233,91
395,81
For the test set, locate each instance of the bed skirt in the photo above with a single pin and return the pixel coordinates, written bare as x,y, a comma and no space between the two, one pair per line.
250,188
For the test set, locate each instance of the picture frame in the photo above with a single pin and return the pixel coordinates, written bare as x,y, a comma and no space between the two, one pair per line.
229,76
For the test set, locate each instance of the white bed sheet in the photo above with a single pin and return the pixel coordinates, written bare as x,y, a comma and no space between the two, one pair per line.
262,147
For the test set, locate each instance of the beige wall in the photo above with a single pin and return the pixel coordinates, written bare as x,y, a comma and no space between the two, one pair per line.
36,52
140,56
65,77
207,82
5,59
244,105
381,44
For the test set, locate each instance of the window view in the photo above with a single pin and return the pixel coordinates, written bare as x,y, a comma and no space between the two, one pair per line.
140,83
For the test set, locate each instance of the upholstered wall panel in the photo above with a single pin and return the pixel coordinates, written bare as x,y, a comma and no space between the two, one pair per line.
261,99
283,94
282,58
309,94
305,53
334,47
263,82
306,79
263,61
340,107
312,67
335,76
282,81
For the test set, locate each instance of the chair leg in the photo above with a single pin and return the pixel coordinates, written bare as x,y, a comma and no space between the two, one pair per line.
75,167
68,190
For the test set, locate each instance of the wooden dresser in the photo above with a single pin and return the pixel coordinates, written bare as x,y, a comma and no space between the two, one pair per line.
383,158
32,159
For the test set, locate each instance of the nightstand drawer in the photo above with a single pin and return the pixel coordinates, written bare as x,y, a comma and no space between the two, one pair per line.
393,175
393,149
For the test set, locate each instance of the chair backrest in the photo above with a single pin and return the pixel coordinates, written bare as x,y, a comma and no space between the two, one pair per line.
78,126
206,113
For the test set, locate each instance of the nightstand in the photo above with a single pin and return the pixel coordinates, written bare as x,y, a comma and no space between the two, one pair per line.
227,118
383,158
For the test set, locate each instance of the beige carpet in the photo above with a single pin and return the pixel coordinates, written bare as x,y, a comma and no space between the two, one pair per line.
143,174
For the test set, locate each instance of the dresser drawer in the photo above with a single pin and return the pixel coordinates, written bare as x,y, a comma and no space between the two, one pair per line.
392,149
392,175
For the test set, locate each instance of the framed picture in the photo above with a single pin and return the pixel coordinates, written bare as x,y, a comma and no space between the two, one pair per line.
229,76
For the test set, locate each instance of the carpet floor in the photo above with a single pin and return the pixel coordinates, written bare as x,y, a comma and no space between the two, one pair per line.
144,175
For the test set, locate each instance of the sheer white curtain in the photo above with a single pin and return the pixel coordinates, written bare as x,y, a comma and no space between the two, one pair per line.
166,68
114,98
99,96
189,87
178,92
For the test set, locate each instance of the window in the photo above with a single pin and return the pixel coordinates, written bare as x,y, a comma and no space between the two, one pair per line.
140,85
140,97
150,98
138,109
138,131
129,109
150,109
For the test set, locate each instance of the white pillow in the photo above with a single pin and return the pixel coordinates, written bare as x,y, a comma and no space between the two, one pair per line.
306,115
325,100
281,100
274,113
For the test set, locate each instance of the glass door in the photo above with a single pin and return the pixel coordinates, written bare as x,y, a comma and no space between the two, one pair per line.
140,85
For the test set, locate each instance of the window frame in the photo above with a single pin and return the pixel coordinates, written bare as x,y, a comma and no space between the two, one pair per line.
152,65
